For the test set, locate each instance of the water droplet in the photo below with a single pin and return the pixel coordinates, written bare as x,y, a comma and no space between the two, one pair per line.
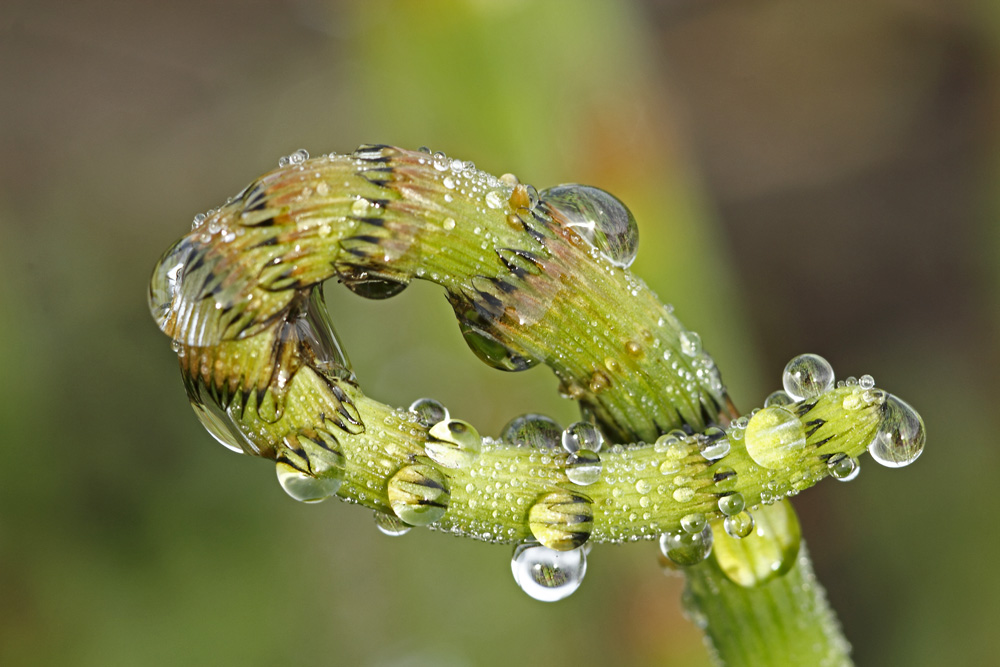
218,423
643,486
683,494
901,435
390,525
774,437
769,552
778,398
694,523
545,574
598,217
494,199
690,343
807,375
360,207
561,520
304,487
584,467
866,382
842,467
449,182
715,444
725,479
419,494
582,435
448,224
739,525
732,504
532,431
429,411
490,350
687,548
440,161
453,443
368,284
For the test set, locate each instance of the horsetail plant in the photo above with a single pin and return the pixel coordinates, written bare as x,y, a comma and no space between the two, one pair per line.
660,452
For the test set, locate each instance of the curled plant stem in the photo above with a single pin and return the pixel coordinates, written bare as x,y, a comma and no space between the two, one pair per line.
532,279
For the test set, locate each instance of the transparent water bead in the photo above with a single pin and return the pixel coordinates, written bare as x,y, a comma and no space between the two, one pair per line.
545,574
419,494
597,217
842,467
490,350
806,376
690,343
561,520
584,467
582,435
533,430
731,504
901,435
390,525
298,157
739,525
774,437
687,548
453,443
304,487
369,285
218,423
778,398
715,444
429,411
767,553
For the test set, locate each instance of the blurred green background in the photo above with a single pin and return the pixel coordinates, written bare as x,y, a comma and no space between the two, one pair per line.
807,176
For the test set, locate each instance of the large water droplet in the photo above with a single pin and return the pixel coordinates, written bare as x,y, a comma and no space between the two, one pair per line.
561,520
218,423
545,574
429,411
491,351
739,525
901,435
582,435
714,443
315,328
368,284
304,487
767,553
419,494
390,525
583,467
597,217
774,437
532,431
687,548
807,375
453,443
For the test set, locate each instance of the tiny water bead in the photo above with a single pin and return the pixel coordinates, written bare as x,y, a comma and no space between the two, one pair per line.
298,157
582,435
304,487
774,437
429,411
597,217
690,343
739,525
532,430
453,443
866,382
768,552
583,467
685,547
901,435
390,525
806,376
418,494
561,520
842,467
545,574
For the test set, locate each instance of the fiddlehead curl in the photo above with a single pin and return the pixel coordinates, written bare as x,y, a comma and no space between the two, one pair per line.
533,278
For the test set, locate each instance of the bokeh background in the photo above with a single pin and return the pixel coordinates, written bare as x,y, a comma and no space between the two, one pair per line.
807,175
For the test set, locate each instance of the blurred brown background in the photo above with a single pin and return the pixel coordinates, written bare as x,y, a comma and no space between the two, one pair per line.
808,176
